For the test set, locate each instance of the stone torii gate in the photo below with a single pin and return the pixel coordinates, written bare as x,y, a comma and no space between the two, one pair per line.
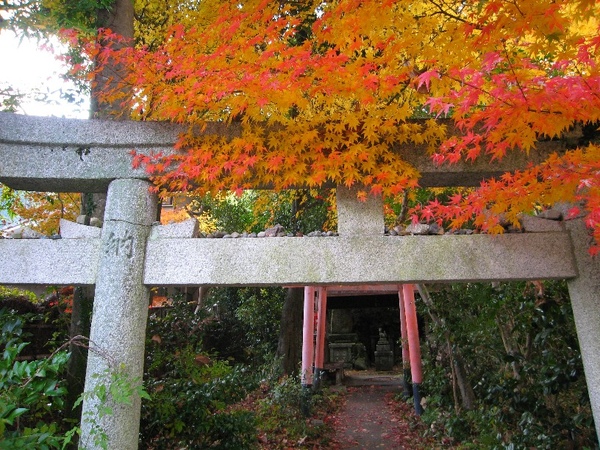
132,254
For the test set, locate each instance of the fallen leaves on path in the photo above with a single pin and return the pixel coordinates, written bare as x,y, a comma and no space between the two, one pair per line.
408,430
373,418
366,417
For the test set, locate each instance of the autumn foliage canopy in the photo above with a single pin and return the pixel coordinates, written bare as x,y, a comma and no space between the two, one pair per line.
326,92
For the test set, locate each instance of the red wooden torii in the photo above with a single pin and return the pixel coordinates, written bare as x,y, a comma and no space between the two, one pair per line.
313,350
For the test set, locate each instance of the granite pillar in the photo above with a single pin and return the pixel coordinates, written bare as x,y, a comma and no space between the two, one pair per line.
584,291
120,314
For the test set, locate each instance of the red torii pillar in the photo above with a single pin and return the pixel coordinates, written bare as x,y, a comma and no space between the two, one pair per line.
404,343
308,331
414,348
320,342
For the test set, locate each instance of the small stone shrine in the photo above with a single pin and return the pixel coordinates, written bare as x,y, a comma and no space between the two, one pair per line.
384,357
341,338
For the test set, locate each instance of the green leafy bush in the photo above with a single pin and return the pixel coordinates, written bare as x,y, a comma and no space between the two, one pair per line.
289,415
31,395
8,293
191,391
243,323
522,360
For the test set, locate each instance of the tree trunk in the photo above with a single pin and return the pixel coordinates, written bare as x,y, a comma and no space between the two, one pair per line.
505,335
466,390
289,348
81,315
120,20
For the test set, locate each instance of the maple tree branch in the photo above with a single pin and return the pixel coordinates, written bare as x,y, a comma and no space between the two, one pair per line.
404,208
480,89
518,8
445,12
512,69
592,90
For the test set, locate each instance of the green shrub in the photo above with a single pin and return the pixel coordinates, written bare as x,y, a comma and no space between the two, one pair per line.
189,406
521,355
244,323
191,391
31,395
8,293
282,417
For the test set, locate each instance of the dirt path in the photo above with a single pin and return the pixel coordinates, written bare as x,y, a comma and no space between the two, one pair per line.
372,418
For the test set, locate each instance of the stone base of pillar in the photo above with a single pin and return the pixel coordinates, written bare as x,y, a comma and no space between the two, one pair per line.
417,399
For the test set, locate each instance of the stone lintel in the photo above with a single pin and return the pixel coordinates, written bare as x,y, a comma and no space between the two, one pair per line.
57,168
49,261
301,261
73,155
58,132
358,260
52,154
472,173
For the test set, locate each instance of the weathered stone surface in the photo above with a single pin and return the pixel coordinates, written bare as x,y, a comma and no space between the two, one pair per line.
357,217
66,168
96,222
120,308
434,228
72,230
17,233
536,224
569,210
584,292
25,233
551,214
186,229
284,261
49,261
76,132
92,221
71,155
359,260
